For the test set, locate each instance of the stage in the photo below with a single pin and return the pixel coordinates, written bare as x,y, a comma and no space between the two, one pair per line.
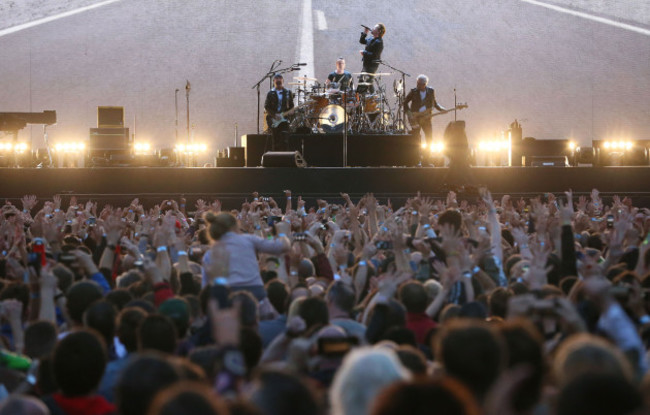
233,185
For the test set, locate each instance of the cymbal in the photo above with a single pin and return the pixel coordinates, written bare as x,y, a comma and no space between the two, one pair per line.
364,83
294,83
304,78
373,74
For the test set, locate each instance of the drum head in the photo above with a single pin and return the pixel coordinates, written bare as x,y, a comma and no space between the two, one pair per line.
332,118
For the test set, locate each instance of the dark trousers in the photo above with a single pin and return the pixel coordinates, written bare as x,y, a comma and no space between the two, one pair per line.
280,137
427,129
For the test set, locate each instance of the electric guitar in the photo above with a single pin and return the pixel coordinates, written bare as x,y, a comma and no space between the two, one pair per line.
415,118
280,117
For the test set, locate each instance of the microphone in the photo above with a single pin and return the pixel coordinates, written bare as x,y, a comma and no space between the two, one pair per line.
299,64
366,27
187,86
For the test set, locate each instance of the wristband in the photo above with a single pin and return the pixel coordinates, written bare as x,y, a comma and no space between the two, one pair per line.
25,211
645,319
181,253
467,274
343,267
337,277
476,269
161,249
282,235
363,263
426,226
288,197
57,210
220,281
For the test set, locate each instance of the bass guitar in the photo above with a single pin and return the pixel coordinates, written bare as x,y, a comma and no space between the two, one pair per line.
415,118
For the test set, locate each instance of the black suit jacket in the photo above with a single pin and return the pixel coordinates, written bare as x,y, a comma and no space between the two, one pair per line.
372,53
415,100
271,102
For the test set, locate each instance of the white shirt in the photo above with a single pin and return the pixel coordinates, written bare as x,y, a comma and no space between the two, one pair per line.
423,95
279,94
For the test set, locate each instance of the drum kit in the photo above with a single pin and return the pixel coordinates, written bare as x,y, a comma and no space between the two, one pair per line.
327,109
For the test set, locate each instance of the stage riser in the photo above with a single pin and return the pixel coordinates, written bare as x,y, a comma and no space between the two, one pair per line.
236,184
326,150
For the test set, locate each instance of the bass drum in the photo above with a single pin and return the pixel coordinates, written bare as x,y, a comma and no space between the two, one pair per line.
332,119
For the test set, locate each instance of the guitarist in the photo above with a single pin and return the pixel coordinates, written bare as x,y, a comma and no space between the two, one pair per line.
278,100
421,99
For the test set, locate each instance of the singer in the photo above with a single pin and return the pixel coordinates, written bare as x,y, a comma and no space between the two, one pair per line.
371,55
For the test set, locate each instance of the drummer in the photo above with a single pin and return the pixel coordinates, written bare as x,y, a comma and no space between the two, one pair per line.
340,80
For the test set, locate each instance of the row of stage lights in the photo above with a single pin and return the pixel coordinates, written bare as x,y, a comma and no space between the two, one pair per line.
78,147
18,147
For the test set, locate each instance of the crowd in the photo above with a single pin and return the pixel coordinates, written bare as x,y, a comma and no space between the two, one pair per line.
442,306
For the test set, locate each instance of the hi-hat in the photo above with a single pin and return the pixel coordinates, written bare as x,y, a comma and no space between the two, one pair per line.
304,78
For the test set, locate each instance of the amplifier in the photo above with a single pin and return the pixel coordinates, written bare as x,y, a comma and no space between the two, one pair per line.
549,161
110,117
109,139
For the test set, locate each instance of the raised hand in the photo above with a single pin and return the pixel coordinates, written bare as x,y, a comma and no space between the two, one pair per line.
57,202
29,201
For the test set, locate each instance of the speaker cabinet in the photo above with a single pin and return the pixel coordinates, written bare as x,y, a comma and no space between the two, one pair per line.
111,117
109,139
283,159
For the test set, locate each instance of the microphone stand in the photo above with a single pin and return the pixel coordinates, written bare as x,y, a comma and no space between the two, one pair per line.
401,114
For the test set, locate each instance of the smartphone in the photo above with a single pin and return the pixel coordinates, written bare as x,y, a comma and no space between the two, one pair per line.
92,221
384,244
300,236
272,220
610,221
336,346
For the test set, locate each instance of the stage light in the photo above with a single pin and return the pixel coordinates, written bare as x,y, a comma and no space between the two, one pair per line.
70,147
572,145
629,145
607,145
437,147
21,147
424,146
194,148
5,146
142,148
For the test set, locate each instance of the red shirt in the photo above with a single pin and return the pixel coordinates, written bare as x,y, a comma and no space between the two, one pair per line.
420,324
